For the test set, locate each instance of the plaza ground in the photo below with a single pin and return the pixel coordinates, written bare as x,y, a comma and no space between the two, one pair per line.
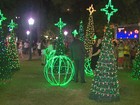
29,87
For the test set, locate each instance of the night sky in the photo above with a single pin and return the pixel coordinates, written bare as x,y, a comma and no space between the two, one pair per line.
47,12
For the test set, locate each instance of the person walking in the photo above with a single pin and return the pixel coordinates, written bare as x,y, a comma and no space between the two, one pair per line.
43,47
39,48
20,49
120,55
126,55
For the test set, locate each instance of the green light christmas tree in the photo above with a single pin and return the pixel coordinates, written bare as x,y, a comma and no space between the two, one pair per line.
59,69
136,65
90,30
12,48
105,85
5,72
89,40
60,49
81,31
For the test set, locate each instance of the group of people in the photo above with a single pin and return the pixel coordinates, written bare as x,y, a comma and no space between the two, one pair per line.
23,48
125,52
37,48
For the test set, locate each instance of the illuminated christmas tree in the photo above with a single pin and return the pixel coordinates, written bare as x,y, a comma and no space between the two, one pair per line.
59,69
60,49
136,65
81,31
105,85
12,48
90,30
5,72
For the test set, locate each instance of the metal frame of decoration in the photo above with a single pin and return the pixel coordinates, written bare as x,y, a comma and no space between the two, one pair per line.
87,67
57,72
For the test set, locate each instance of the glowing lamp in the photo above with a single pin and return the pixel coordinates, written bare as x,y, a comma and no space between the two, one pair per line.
31,21
135,36
65,33
56,37
27,32
125,32
136,31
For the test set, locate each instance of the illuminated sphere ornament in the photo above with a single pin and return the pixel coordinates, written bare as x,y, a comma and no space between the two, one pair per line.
88,69
59,70
49,54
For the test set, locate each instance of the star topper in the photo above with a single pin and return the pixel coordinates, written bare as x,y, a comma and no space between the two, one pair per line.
12,24
95,37
81,22
91,9
106,10
2,18
75,33
60,24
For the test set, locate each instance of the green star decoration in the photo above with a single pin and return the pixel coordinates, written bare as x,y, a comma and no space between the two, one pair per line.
106,10
60,24
95,37
81,22
2,18
75,33
12,24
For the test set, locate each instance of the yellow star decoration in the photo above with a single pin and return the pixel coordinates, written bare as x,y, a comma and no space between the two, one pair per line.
91,9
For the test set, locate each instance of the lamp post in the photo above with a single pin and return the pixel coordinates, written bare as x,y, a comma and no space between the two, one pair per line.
28,33
139,29
65,33
31,23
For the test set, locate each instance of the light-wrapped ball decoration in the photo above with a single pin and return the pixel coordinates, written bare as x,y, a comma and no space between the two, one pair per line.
88,69
59,70
49,54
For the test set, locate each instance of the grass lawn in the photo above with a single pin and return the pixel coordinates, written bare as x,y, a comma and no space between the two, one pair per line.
29,87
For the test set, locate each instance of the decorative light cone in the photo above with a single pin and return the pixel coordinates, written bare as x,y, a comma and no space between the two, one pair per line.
87,67
59,70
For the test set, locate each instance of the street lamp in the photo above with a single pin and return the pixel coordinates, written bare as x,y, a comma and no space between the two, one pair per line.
139,30
31,23
28,32
65,33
